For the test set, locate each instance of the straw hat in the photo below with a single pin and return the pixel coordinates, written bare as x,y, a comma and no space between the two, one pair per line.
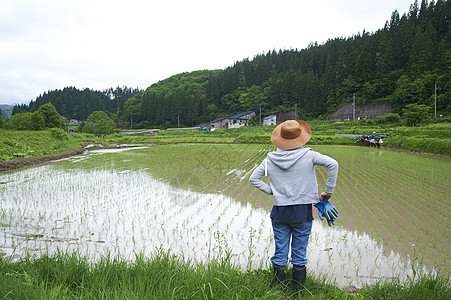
291,134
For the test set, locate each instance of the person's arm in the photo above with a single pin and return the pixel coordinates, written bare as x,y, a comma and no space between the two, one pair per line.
332,172
255,178
325,208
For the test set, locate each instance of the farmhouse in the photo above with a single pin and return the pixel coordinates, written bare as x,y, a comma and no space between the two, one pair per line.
270,120
74,122
220,123
232,121
241,119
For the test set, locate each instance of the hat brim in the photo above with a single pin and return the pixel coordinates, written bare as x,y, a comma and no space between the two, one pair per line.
288,144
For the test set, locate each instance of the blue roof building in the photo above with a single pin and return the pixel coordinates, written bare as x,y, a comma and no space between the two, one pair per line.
232,121
270,120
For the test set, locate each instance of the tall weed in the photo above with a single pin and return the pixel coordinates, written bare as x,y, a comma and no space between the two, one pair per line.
167,276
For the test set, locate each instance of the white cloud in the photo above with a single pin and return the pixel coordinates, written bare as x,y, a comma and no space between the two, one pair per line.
50,44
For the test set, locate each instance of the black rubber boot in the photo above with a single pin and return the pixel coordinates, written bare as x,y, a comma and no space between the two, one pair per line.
280,276
299,274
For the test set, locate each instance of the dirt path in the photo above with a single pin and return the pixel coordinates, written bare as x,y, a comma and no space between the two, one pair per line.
20,163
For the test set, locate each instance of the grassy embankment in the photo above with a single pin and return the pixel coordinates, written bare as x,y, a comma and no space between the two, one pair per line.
19,144
434,138
165,276
20,149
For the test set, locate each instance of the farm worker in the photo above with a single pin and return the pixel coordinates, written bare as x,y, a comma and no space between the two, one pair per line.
292,182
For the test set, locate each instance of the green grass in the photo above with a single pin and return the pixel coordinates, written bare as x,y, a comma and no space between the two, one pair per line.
433,138
423,144
427,287
19,144
167,276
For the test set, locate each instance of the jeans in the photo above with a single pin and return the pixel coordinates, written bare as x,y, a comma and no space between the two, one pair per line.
299,234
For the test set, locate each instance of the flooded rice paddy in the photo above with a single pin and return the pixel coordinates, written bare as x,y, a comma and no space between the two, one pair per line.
195,200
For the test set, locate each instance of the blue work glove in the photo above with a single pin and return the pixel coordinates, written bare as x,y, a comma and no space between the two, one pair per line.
327,210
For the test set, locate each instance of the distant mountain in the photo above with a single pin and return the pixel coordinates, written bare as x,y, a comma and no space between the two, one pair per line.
6,110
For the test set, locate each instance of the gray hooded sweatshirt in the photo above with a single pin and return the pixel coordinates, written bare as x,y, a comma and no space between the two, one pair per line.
292,176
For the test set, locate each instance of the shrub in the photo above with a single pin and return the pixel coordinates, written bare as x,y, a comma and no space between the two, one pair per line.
99,124
26,121
430,145
415,114
58,133
51,117
390,118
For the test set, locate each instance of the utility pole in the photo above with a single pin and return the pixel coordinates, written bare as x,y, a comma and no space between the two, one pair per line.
178,121
353,108
131,122
260,115
295,111
435,105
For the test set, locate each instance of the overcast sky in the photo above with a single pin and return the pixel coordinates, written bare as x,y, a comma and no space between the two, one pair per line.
97,44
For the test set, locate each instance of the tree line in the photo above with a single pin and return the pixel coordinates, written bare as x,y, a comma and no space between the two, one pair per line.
73,103
404,62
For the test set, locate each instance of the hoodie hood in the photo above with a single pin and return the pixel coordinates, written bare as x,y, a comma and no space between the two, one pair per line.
285,159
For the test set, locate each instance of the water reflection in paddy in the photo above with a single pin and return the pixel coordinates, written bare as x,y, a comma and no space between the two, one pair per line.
104,210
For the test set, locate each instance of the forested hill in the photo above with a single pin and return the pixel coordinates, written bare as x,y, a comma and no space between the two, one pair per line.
79,104
401,63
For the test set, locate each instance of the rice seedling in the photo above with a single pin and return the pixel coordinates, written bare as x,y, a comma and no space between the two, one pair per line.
166,197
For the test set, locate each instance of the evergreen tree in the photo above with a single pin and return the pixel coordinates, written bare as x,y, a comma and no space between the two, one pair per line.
132,111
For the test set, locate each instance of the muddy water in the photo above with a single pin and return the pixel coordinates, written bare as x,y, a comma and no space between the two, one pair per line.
116,206
402,200
399,199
